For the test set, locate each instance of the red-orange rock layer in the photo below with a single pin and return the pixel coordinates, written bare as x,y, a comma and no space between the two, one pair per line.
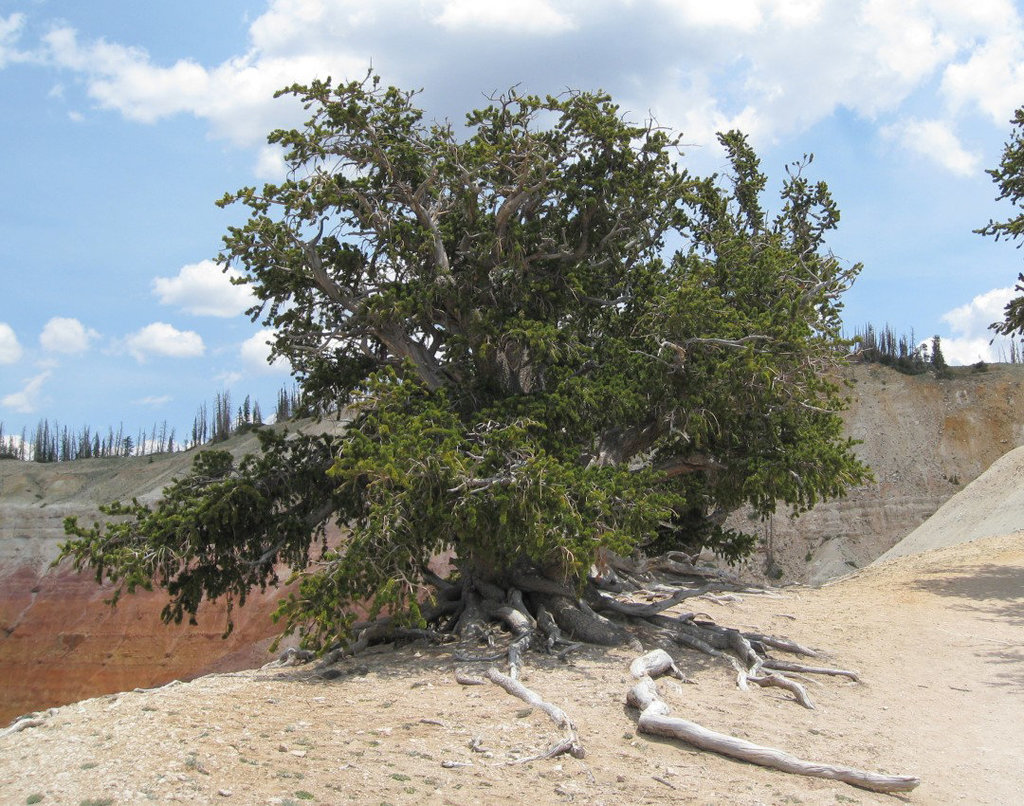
60,642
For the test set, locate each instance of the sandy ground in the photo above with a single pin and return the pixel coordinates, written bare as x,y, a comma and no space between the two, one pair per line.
937,637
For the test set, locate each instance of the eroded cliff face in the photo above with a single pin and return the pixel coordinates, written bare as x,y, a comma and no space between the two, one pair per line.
59,641
925,438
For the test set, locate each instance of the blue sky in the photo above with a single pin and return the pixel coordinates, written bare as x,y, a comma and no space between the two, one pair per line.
123,122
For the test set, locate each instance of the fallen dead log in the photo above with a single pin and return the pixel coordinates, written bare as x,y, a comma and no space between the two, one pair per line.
655,719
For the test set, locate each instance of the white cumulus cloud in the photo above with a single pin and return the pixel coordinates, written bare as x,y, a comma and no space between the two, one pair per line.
10,31
936,141
508,16
797,12
10,349
961,352
64,335
27,399
235,97
255,352
992,77
772,67
270,164
975,316
204,289
972,341
162,339
742,15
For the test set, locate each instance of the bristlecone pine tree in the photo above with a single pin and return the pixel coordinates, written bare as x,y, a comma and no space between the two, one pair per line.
561,354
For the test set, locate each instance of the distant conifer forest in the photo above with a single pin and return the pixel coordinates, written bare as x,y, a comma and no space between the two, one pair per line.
52,442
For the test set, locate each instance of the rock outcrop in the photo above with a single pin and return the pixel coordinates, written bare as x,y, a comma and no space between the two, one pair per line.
925,439
990,506
59,641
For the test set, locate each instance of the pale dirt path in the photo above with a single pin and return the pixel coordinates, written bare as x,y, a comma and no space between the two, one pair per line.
937,637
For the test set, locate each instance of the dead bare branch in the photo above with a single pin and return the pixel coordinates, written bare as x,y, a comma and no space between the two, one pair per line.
654,719
570,744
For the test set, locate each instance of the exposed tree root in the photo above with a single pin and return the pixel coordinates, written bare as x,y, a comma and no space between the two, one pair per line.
570,744
33,720
603,601
567,745
291,657
171,684
788,666
783,644
496,621
779,681
655,719
387,628
464,679
570,616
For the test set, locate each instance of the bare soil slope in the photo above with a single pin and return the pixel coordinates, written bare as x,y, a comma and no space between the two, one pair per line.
925,438
992,504
58,640
937,637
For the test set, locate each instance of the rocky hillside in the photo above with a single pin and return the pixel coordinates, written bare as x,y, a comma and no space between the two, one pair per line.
58,640
924,437
991,505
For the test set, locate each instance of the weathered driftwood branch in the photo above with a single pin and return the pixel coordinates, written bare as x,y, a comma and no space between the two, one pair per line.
33,720
571,743
655,719
789,666
784,644
21,724
780,681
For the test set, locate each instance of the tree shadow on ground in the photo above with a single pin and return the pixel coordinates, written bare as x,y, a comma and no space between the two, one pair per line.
421,658
990,593
1012,660
1000,587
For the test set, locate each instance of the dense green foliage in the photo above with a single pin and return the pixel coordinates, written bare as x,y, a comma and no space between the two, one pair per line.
1009,176
550,337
